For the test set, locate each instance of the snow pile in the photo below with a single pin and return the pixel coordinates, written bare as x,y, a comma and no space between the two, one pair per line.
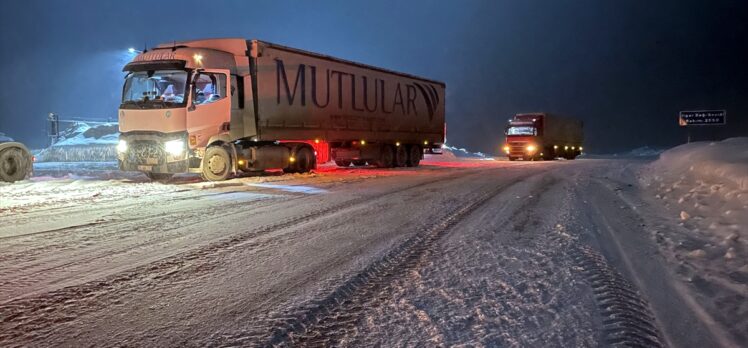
4,138
644,151
84,142
722,163
463,153
704,186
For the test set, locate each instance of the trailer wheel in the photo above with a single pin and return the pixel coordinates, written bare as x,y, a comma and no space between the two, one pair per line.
14,165
414,155
401,156
386,157
216,164
160,177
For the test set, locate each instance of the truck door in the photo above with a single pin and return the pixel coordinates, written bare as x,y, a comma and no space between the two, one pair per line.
210,106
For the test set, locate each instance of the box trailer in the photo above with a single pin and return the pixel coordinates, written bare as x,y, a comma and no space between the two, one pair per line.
532,136
220,106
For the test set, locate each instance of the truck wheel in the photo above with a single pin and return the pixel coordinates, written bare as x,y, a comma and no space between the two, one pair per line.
343,163
359,163
548,154
414,155
160,177
14,165
401,156
386,157
305,160
216,164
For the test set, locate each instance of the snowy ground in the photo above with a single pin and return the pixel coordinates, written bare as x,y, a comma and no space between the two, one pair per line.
456,252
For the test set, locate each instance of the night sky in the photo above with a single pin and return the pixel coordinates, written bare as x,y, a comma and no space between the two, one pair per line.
625,67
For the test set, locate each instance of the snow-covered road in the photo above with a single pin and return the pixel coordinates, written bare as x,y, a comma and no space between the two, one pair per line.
480,253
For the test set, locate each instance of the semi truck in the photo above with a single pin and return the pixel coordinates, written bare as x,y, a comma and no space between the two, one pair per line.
222,106
533,136
16,161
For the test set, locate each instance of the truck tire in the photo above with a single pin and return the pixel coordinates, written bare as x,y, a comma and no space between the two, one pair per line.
414,155
216,164
160,177
386,157
401,156
548,154
14,164
305,160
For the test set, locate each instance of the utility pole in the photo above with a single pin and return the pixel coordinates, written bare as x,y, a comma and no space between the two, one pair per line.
54,128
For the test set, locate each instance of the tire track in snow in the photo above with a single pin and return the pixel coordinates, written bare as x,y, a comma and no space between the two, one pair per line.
626,316
15,274
338,311
27,316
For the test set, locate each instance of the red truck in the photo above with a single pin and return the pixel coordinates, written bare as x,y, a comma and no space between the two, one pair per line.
533,136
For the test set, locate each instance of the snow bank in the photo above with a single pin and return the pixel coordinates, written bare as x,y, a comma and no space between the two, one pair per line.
463,153
704,187
83,142
644,151
720,163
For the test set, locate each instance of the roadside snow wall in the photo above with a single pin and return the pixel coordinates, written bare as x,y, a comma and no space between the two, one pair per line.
720,163
82,142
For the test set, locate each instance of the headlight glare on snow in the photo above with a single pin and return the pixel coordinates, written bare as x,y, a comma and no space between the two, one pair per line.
174,147
122,146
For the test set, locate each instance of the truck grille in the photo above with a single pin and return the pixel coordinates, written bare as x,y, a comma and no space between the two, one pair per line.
517,147
146,152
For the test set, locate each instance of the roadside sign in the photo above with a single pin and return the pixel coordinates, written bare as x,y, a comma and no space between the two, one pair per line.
702,118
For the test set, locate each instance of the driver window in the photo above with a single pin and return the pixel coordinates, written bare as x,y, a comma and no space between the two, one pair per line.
209,88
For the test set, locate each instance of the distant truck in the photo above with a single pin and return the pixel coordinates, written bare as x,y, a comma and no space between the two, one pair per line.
16,161
220,106
533,136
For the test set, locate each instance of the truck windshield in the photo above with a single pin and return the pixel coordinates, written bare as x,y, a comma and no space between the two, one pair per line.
523,130
154,89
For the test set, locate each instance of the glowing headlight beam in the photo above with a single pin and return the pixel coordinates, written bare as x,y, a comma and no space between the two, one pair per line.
174,147
122,146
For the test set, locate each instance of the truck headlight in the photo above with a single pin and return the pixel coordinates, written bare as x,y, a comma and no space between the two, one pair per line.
506,148
122,146
174,147
531,148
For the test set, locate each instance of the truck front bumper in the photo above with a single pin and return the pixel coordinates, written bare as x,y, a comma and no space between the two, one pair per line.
146,152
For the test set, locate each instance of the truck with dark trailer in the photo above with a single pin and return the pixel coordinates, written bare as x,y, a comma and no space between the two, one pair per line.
533,136
221,106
